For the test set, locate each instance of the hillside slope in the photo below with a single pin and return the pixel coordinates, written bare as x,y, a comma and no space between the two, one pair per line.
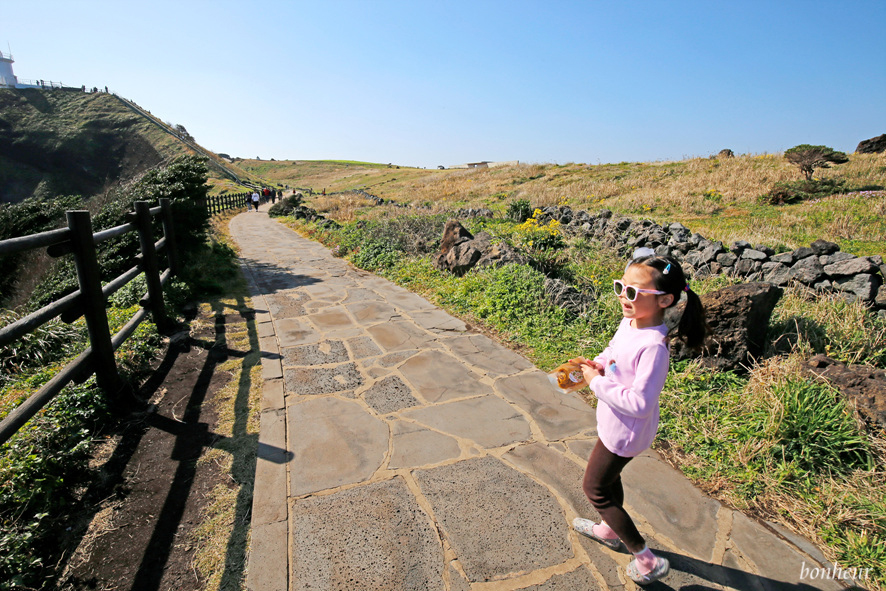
61,142
717,197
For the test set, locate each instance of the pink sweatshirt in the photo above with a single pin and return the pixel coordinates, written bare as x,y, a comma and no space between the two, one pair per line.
636,363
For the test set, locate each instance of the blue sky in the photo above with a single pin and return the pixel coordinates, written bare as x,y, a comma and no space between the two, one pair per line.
424,83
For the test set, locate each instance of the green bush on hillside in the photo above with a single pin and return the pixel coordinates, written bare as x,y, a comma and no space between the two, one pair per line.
412,235
514,293
375,255
40,469
285,206
519,210
31,216
787,192
183,182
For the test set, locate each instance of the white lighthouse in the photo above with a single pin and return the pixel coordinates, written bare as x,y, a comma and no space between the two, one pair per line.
7,78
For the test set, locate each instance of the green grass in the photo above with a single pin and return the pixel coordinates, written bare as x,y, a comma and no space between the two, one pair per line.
853,220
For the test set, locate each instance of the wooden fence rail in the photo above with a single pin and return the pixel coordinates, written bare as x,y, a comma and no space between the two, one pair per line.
219,203
90,300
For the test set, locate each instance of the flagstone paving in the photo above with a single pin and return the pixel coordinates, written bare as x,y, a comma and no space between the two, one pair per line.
399,450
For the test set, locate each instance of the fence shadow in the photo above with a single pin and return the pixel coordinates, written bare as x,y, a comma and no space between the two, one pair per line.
192,437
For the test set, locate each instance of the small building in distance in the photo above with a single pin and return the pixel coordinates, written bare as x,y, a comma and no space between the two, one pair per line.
485,164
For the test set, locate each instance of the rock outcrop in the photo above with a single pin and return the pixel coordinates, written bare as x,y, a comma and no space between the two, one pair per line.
863,386
738,316
460,251
875,145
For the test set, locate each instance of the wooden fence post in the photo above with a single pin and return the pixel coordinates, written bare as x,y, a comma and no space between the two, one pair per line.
93,302
169,233
150,266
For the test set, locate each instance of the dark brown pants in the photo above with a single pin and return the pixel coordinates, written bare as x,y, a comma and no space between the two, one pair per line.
602,485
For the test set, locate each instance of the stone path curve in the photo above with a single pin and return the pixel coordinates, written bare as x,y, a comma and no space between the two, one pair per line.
399,450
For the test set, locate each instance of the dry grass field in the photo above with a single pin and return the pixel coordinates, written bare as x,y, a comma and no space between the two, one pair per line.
717,197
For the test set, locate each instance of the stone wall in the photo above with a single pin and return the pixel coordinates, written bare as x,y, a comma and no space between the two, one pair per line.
819,267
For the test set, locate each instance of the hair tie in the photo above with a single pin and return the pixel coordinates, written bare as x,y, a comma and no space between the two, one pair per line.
686,288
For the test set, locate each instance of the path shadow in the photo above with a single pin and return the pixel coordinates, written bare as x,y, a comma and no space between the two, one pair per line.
722,575
192,438
272,278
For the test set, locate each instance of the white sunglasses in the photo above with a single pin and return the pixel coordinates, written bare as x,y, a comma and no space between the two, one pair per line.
630,292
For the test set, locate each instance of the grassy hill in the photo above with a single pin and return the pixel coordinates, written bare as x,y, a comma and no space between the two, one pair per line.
719,198
63,142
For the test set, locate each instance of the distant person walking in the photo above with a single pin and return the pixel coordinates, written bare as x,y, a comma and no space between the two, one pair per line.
627,379
255,200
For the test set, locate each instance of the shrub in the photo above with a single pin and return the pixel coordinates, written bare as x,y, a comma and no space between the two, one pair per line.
519,210
31,216
413,235
795,191
375,255
285,206
514,293
539,236
40,470
129,294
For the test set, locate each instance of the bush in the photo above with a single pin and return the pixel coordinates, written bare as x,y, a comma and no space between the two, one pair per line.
795,191
375,255
185,178
40,470
514,293
539,236
31,216
130,294
412,235
519,210
285,206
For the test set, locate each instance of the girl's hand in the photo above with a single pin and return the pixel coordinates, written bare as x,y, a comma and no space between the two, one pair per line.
588,362
590,369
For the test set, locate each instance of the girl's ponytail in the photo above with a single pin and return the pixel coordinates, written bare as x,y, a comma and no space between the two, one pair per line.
670,278
692,328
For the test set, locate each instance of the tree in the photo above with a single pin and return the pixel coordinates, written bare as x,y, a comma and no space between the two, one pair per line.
183,133
808,158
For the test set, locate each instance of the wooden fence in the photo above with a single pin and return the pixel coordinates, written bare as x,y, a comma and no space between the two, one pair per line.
219,203
90,300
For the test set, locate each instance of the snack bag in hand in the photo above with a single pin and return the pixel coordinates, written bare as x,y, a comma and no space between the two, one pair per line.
567,377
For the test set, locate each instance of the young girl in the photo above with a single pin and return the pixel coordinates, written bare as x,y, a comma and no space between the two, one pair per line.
627,378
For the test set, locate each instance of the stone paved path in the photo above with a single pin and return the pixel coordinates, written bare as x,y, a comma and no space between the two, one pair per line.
400,450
